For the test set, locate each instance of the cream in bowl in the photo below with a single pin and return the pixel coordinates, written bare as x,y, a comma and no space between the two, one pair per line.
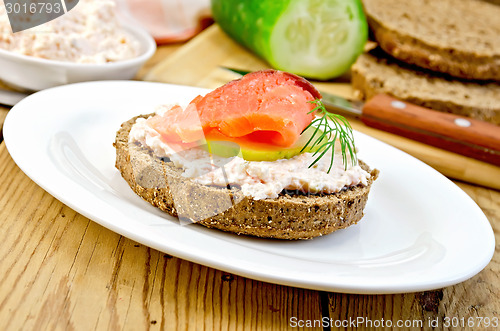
88,43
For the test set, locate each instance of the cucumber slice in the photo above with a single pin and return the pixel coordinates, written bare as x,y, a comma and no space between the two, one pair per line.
262,152
317,39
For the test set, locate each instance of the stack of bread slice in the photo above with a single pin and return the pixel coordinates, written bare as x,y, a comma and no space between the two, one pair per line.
443,55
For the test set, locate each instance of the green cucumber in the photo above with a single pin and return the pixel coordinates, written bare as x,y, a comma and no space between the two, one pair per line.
263,153
318,39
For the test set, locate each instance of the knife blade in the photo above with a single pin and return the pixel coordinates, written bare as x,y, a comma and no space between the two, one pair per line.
462,135
10,98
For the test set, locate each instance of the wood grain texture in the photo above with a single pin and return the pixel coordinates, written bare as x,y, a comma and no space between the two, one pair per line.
3,115
474,298
61,271
162,52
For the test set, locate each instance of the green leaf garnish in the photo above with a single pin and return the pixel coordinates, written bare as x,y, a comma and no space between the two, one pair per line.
330,127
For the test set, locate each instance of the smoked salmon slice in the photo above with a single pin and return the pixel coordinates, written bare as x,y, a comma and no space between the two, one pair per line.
271,107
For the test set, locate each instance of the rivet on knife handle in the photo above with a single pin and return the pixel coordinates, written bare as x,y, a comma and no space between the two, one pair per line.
466,136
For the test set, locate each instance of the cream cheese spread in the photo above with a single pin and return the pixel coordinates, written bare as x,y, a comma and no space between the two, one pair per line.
89,33
257,179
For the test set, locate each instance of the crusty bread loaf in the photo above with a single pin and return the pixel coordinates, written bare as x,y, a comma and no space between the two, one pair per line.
290,216
458,37
374,73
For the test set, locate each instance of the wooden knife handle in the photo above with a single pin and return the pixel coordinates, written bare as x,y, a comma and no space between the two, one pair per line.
462,135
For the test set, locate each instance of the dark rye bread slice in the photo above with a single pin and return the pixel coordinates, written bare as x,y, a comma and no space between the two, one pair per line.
375,73
457,37
295,216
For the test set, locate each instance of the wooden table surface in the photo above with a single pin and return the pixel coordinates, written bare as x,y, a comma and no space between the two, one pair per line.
62,271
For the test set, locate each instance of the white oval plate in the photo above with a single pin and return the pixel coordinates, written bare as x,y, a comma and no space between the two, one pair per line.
420,231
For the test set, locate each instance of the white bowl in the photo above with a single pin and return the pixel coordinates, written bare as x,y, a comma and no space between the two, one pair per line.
32,73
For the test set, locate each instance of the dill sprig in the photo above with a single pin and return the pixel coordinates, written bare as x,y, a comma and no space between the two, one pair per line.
329,128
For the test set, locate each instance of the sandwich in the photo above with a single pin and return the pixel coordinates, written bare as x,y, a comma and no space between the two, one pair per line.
258,156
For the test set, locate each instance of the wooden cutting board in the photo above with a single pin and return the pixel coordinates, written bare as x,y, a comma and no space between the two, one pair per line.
204,55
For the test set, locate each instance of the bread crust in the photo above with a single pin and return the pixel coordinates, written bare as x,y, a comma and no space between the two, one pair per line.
373,73
290,216
418,49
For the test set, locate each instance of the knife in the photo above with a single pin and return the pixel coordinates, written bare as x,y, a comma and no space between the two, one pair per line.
462,135
10,98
